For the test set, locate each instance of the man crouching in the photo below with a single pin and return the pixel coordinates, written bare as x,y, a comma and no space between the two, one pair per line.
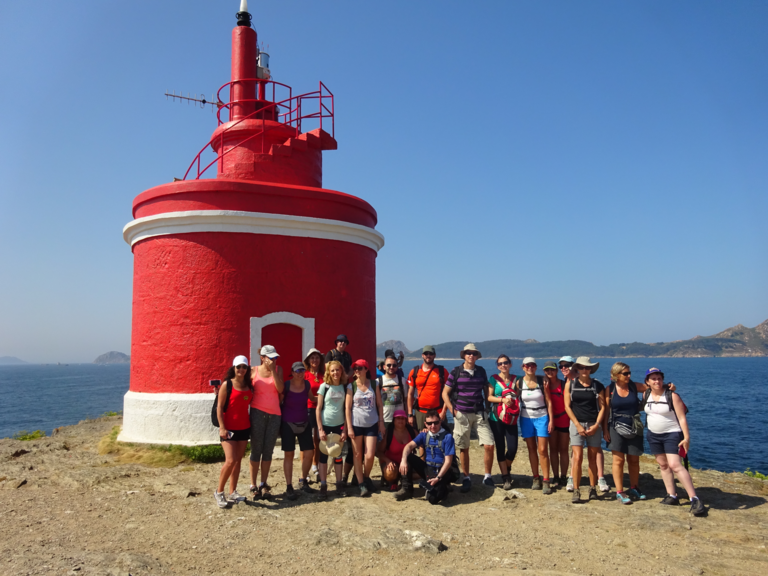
437,470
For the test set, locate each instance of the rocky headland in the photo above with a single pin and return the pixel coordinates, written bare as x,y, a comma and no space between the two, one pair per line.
113,358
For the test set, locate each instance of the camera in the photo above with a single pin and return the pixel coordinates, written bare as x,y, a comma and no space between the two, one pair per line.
214,382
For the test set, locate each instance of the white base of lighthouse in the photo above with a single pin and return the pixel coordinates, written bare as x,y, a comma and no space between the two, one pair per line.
168,419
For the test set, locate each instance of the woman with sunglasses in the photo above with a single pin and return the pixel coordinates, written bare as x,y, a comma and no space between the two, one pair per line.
267,380
295,426
585,404
667,433
330,419
560,436
536,421
365,423
503,398
234,427
314,363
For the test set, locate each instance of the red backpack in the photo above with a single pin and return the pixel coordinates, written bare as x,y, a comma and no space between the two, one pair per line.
507,414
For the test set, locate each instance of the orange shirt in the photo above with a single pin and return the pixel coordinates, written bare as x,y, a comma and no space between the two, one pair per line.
428,391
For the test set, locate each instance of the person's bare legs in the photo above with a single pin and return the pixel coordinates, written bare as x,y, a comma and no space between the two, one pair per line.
288,466
617,468
254,469
488,458
576,465
306,462
592,460
265,465
234,476
370,454
633,463
464,460
673,466
533,455
543,457
600,463
230,455
357,447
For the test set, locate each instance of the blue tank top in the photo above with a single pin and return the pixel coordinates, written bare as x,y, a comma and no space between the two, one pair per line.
625,408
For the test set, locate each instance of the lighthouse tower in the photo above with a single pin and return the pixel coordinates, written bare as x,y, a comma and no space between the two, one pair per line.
259,254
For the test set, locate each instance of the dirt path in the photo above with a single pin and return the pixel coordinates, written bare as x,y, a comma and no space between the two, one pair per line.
68,510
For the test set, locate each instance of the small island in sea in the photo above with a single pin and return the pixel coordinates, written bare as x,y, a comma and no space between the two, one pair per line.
113,358
11,361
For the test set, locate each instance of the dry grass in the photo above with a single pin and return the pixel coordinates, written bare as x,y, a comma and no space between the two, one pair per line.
156,456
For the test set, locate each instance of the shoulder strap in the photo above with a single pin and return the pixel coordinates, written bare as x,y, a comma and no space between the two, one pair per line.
229,394
380,381
400,385
540,382
441,370
519,383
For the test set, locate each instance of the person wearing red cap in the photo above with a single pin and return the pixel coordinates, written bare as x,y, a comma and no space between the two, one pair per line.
365,422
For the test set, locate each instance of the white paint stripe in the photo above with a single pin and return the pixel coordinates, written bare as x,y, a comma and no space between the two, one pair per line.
250,223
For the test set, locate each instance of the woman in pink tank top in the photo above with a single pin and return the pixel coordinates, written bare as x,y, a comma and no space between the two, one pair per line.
390,452
265,418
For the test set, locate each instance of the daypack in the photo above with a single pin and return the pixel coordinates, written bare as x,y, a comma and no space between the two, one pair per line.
380,382
431,454
539,384
214,413
507,414
667,396
479,372
591,386
415,372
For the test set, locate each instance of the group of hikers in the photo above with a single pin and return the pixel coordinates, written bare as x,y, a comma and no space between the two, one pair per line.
332,405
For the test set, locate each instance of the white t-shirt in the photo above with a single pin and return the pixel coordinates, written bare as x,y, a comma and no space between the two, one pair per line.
391,397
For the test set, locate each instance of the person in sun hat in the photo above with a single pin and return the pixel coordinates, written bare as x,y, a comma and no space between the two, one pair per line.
314,363
585,404
464,395
339,354
390,451
267,379
559,438
234,427
667,434
295,426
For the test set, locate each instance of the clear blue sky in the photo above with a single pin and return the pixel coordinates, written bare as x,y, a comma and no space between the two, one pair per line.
549,170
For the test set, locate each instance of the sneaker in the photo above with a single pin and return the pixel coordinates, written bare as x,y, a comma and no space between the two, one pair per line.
266,491
536,484
489,482
697,508
255,492
569,484
592,493
670,500
623,498
545,489
603,485
220,499
466,485
405,493
635,494
290,493
507,482
576,498
364,490
313,470
234,497
323,492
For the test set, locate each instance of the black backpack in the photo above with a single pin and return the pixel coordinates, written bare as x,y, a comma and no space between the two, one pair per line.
214,413
667,396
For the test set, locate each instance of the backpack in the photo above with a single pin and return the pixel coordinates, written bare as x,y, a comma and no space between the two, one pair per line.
415,372
479,372
591,386
667,396
380,382
539,384
429,450
507,414
214,413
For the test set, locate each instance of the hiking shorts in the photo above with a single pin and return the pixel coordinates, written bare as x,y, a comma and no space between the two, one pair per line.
463,424
664,443
530,427
594,441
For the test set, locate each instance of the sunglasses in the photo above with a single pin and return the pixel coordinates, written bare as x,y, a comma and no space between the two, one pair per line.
427,353
583,368
626,373
241,367
390,365
503,363
530,365
435,423
471,353
359,368
299,371
565,365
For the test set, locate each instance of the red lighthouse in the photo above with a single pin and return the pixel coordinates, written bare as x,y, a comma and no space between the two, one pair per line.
260,254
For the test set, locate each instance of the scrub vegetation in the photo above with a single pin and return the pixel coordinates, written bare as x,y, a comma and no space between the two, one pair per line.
24,435
157,456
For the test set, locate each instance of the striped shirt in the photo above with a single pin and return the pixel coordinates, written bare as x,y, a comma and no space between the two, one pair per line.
470,390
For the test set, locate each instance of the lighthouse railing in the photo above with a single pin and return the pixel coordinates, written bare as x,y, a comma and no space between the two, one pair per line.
292,116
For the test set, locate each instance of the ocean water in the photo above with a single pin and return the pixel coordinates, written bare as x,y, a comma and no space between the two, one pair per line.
727,399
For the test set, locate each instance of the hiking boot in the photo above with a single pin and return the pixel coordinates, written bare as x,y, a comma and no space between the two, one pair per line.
507,482
364,490
489,482
536,484
635,494
405,492
323,492
341,489
255,492
603,485
466,485
304,487
592,493
266,491
576,498
234,497
545,489
623,498
220,499
569,484
697,508
354,481
670,500
290,493
368,483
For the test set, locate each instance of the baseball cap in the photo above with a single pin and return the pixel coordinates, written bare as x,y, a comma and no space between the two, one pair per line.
298,366
362,363
428,349
240,360
569,359
342,338
529,360
653,371
269,352
550,365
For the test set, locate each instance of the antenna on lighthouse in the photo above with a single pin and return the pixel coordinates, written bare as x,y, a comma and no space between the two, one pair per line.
201,101
244,17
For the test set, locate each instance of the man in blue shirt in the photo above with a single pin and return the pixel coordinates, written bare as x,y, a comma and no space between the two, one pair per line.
436,470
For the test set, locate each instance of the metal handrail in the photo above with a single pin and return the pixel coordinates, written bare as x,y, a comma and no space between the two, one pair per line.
292,117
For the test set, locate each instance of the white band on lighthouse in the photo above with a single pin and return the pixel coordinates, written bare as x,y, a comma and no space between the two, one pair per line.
252,223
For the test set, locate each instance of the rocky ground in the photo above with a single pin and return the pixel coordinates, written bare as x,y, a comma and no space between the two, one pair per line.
66,509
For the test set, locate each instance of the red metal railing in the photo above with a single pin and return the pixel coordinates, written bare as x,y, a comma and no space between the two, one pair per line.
289,112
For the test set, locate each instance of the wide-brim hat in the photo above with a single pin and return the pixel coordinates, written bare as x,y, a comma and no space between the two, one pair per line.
585,361
470,348
312,351
331,446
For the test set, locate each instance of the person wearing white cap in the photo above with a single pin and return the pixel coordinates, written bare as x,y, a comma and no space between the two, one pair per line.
536,422
315,365
234,427
268,384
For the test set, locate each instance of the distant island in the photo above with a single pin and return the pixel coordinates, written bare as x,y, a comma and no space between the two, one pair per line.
11,361
113,358
733,342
